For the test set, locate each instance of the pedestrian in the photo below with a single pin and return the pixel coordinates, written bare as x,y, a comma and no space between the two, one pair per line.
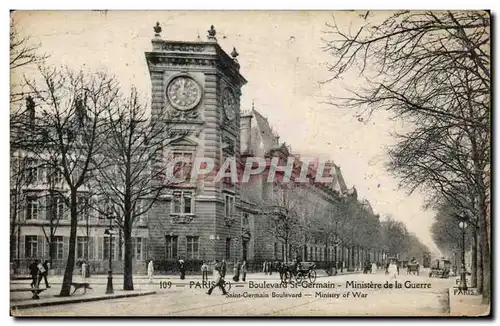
374,268
236,271
264,265
243,271
223,268
270,266
33,267
151,270
182,269
84,270
218,279
44,274
392,270
204,272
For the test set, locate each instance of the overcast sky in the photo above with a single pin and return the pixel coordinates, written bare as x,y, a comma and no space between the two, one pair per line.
282,59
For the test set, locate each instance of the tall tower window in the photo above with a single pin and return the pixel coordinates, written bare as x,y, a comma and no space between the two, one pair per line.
229,205
182,202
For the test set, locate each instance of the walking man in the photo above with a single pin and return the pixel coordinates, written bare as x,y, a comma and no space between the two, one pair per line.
204,272
151,270
182,269
223,269
219,279
243,270
33,267
236,273
44,274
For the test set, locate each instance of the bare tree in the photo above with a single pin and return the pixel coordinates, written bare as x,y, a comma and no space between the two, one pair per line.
431,69
286,208
132,177
70,132
23,52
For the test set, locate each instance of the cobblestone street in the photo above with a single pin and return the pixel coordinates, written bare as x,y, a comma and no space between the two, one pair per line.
186,298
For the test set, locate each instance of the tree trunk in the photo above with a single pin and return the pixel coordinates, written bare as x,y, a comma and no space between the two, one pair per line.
70,263
485,256
473,277
128,283
51,247
286,250
479,263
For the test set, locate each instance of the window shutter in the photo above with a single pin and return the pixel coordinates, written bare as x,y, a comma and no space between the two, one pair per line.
145,248
91,248
100,246
21,207
65,247
46,251
22,254
41,247
40,203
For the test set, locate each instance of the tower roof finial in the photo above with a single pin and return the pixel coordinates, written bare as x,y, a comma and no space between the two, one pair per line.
157,29
211,33
253,104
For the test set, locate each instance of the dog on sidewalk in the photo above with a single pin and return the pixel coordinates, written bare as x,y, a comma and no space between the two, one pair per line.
83,286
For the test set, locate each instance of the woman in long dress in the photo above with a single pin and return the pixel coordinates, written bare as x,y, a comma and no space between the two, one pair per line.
150,271
393,270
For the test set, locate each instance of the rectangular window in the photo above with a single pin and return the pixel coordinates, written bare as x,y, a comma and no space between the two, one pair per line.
182,202
171,247
182,170
229,205
138,248
245,220
31,246
83,208
60,208
55,177
32,206
106,248
193,245
228,248
81,247
58,246
32,171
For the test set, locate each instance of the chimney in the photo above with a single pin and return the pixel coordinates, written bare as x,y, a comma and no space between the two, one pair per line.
276,138
245,128
30,109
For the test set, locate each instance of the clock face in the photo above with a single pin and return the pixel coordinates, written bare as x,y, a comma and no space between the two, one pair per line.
229,104
184,93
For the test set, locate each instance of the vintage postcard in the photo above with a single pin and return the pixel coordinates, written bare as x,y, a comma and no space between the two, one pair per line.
250,163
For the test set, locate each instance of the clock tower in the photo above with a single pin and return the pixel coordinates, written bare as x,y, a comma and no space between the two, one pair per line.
196,89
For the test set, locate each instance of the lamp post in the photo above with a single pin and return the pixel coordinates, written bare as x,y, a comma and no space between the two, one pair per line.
109,286
463,280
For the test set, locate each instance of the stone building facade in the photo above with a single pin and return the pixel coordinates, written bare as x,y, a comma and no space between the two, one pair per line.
196,87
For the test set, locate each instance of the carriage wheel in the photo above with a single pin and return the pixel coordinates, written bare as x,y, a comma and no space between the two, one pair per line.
312,276
299,277
227,286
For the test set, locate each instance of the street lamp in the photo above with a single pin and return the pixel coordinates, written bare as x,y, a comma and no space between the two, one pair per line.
463,281
109,286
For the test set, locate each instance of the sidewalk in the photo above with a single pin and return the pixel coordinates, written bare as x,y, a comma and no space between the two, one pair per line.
49,297
142,279
466,304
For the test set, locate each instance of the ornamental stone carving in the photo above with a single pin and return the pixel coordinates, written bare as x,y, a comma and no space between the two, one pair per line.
182,219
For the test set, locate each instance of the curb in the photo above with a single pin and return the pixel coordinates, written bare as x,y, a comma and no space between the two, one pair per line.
70,301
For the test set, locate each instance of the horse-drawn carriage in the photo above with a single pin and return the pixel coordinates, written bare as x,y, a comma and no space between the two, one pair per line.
300,271
441,268
413,268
